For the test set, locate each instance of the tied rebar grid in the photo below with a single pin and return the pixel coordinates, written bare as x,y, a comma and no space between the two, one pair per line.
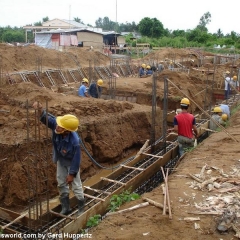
38,173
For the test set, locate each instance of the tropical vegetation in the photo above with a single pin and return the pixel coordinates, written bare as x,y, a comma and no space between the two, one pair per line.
151,30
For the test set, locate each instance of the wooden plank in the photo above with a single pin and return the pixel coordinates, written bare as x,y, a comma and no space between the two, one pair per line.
90,196
139,169
97,190
156,156
15,220
114,181
10,216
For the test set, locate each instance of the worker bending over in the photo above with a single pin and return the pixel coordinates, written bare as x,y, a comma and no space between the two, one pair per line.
217,117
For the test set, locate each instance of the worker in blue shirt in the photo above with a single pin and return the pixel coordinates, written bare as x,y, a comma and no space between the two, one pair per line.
83,90
149,70
142,71
95,89
66,154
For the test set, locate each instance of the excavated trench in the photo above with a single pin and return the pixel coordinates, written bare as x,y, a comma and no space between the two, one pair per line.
129,129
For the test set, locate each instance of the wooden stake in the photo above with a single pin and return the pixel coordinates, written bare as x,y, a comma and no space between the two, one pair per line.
97,190
90,196
141,150
128,209
156,156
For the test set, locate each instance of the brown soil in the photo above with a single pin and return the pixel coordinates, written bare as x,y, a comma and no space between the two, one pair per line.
111,130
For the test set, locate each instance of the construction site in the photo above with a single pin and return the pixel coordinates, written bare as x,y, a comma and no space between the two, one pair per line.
125,145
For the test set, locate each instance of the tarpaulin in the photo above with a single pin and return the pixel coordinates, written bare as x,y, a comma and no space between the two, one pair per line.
56,37
65,40
43,40
74,40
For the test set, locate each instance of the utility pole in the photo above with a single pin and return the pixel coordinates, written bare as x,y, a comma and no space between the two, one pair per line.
116,30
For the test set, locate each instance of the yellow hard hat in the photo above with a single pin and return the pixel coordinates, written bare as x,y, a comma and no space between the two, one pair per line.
143,65
69,122
224,117
217,110
235,78
185,102
85,80
99,82
148,67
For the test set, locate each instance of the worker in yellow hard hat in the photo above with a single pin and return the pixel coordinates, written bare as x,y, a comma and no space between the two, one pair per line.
234,83
185,124
227,87
66,155
149,70
225,109
216,119
171,65
95,89
224,117
83,89
142,71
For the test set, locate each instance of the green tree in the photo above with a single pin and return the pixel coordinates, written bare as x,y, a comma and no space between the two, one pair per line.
37,23
99,23
219,33
151,27
128,27
178,33
45,19
76,19
106,24
13,36
204,21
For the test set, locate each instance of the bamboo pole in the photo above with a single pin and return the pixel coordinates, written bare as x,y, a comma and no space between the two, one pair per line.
165,198
219,125
167,192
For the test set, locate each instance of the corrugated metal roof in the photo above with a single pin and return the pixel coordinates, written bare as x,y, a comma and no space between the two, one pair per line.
67,31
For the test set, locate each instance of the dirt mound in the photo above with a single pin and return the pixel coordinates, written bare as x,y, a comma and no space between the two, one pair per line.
30,57
168,53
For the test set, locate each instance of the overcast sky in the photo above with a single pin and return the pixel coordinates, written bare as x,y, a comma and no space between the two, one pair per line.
174,14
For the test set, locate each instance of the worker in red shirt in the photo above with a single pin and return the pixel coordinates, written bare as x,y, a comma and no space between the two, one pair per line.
185,124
